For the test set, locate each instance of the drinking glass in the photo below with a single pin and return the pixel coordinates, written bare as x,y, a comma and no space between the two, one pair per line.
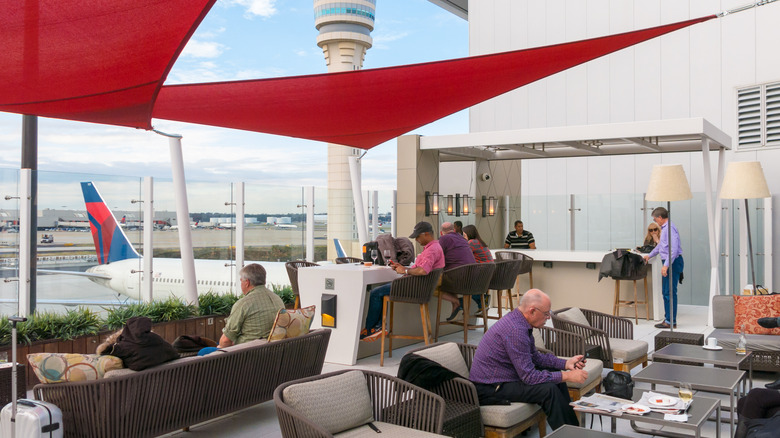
685,392
374,255
386,253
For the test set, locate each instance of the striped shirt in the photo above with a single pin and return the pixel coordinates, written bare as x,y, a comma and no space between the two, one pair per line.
481,253
507,353
253,315
523,241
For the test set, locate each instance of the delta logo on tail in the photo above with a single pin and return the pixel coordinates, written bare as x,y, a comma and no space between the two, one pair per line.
111,242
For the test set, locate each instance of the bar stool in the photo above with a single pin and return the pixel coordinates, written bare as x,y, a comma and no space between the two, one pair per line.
527,268
504,279
466,280
292,273
412,289
640,275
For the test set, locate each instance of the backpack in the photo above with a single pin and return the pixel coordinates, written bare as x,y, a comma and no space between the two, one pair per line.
367,247
618,384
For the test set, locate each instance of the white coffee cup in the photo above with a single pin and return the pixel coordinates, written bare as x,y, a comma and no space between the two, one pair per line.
712,342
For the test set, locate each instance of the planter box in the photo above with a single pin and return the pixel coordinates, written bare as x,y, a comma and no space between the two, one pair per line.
208,326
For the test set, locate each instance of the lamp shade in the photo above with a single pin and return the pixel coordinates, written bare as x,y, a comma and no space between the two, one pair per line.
668,183
744,180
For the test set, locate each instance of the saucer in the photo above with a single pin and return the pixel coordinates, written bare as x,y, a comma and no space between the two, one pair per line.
663,401
715,348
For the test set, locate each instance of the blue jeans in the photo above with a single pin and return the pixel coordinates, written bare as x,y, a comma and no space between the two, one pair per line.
677,268
374,314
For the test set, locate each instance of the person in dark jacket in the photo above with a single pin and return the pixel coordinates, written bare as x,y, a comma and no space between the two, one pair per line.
138,347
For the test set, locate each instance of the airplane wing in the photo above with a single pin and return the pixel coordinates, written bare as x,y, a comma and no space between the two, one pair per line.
76,273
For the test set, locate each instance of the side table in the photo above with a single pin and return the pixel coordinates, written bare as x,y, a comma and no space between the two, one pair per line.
668,337
5,383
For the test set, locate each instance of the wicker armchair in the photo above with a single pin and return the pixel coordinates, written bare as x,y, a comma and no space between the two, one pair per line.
412,289
467,280
328,404
347,260
614,334
527,268
292,272
504,279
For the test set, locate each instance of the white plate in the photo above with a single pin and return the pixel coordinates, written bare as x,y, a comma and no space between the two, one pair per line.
635,409
715,348
662,401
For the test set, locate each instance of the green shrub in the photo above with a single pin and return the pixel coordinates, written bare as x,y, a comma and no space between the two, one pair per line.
50,325
285,292
214,304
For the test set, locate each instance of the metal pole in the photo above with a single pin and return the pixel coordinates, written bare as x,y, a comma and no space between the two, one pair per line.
394,214
669,271
30,161
148,273
309,223
750,249
26,244
240,226
375,214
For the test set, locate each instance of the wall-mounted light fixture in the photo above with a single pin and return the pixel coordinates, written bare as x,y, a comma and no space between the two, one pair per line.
488,206
465,202
431,203
450,207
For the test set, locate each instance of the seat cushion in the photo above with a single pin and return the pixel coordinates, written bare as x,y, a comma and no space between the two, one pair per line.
728,339
627,349
388,430
594,367
507,416
336,403
447,355
245,345
574,315
723,311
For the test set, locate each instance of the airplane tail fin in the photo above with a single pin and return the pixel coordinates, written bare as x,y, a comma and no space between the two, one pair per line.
339,249
111,243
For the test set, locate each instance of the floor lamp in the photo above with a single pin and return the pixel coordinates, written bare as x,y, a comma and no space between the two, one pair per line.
668,183
745,180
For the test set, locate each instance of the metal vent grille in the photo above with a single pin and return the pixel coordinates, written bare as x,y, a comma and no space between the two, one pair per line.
773,114
758,116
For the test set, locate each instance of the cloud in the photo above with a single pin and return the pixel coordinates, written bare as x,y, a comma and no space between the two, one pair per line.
203,49
260,8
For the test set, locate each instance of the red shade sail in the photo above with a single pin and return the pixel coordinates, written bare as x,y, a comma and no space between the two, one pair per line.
368,107
100,61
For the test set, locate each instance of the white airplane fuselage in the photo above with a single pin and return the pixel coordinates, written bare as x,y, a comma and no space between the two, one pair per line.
216,276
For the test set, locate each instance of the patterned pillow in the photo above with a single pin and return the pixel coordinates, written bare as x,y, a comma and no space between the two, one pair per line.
71,367
747,310
291,323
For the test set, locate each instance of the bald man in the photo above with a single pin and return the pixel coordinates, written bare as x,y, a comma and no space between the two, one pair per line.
507,365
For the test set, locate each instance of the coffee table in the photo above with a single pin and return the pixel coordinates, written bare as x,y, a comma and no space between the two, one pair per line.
715,380
701,409
569,431
693,353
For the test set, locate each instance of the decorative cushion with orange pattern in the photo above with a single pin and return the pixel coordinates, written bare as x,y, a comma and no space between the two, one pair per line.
747,310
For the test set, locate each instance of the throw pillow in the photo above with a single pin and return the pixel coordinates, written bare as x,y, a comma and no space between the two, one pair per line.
747,310
574,315
539,340
71,367
291,323
315,401
447,355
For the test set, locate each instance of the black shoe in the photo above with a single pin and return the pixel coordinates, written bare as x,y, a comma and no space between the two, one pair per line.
769,323
455,312
773,385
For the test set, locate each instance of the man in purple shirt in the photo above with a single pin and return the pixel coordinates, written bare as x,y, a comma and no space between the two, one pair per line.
507,365
457,252
661,217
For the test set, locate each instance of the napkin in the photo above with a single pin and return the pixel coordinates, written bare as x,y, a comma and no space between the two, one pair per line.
679,418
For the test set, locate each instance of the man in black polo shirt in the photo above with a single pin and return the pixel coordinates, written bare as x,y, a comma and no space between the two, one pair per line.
520,239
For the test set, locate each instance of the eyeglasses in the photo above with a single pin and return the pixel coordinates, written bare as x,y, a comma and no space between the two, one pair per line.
653,230
547,314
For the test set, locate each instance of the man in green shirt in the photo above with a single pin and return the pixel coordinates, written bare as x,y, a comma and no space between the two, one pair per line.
252,317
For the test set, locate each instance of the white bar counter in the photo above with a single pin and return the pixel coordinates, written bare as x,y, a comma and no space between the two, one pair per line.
571,283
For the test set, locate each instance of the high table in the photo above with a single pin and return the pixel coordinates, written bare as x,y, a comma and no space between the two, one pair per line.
349,282
724,358
714,380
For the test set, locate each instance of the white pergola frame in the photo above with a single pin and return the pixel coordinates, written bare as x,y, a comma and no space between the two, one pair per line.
647,137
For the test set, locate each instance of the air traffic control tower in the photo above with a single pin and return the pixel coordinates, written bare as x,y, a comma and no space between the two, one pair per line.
345,35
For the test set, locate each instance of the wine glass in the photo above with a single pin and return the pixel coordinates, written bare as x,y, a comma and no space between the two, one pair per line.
386,254
374,254
685,392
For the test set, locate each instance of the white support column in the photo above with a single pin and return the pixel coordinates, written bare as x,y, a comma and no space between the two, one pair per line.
240,225
375,214
507,220
743,247
357,197
183,219
768,260
309,199
394,215
727,252
713,218
147,285
25,212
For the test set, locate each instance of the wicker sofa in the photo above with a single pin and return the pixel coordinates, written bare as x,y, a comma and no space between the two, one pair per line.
184,392
765,348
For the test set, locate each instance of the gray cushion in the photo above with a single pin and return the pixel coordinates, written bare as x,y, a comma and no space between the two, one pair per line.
388,430
118,373
574,315
245,345
538,339
723,311
594,367
507,416
728,340
447,355
336,403
627,349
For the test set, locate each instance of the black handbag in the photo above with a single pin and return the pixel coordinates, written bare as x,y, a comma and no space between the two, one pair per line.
619,384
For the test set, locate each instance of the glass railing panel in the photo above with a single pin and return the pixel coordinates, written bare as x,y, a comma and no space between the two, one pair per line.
9,241
276,230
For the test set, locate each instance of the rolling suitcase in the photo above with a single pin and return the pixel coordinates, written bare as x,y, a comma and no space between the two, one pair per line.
27,418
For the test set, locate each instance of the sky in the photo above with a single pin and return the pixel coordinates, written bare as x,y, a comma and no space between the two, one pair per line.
247,39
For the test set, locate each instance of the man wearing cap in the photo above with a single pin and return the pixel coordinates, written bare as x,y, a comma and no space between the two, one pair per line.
431,257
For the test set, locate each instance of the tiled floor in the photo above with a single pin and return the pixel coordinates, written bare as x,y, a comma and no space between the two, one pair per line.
261,421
